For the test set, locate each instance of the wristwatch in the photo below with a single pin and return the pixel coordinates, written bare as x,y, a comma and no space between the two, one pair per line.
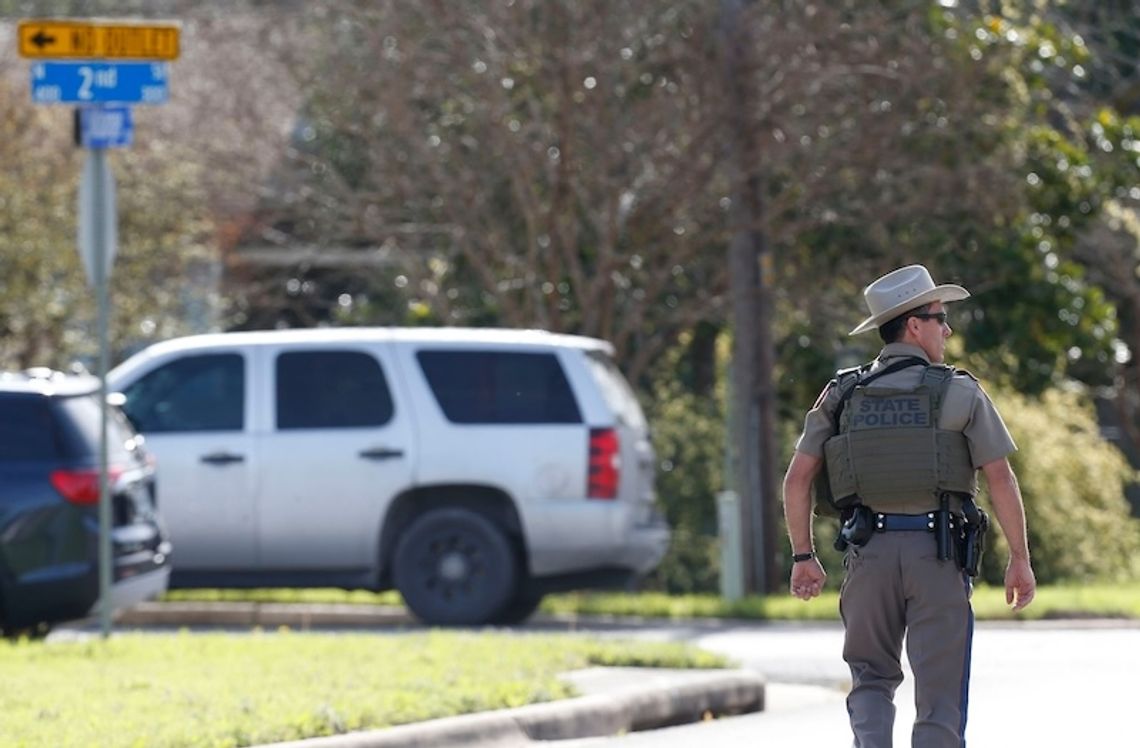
797,557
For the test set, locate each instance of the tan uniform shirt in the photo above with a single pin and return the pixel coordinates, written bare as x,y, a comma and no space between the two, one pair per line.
966,408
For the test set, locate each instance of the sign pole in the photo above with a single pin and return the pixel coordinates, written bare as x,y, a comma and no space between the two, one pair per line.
101,218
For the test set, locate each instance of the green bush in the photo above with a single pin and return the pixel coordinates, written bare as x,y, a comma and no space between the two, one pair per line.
1073,484
688,433
691,566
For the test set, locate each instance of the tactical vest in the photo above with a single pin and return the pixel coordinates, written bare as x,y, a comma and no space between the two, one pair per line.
889,448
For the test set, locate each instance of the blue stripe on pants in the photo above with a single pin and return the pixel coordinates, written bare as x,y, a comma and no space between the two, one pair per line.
965,693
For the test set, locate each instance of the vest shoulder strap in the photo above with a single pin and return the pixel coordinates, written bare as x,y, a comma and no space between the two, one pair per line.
937,377
965,373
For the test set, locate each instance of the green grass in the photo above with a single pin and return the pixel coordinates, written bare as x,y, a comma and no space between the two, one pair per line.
1061,601
236,690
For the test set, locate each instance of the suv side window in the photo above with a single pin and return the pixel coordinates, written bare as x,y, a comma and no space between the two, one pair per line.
331,389
195,393
499,387
26,429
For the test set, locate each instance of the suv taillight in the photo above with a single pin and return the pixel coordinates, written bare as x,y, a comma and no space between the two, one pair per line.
605,464
82,486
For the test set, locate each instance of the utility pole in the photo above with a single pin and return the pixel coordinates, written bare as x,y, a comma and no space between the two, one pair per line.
749,264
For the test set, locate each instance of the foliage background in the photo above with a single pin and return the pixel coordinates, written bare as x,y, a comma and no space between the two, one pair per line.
566,165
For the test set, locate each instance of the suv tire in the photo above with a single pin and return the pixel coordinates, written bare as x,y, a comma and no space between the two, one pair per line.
455,567
521,607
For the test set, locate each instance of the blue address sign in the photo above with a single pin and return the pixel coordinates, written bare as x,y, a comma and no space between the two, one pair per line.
104,126
99,83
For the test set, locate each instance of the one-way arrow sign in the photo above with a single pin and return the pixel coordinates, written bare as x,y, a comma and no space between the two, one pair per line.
79,39
41,39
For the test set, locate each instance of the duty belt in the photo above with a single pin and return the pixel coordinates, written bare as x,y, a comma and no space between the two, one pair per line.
914,522
943,523
955,535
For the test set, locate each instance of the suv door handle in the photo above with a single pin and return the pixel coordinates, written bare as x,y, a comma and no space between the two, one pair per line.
380,453
222,458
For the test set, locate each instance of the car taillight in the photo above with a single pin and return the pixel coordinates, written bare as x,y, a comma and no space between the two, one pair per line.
605,464
82,486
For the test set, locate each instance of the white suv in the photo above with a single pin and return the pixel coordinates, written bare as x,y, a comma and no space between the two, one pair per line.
473,470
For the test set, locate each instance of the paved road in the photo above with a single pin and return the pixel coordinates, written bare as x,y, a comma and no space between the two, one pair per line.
1037,684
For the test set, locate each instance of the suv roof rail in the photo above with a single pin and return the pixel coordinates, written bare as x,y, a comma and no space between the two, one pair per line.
43,372
45,380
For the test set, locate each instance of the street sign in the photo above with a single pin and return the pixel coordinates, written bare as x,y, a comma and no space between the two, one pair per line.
99,83
66,39
95,82
103,126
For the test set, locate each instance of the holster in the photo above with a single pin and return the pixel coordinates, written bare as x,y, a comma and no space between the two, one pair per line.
972,541
857,528
946,549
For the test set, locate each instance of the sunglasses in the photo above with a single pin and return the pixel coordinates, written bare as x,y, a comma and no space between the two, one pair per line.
940,316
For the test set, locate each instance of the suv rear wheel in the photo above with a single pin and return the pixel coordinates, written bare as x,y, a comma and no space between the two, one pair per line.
455,567
521,607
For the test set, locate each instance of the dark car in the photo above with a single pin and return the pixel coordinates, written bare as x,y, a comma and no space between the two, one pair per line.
49,496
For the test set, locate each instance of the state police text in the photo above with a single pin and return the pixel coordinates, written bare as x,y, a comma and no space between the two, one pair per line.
888,412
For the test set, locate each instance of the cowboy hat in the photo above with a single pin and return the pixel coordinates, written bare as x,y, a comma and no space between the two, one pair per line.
902,290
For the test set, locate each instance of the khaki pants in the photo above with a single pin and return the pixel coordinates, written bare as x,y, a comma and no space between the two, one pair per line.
896,585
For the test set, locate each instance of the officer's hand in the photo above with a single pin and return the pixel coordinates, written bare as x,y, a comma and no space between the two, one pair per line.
807,579
1020,584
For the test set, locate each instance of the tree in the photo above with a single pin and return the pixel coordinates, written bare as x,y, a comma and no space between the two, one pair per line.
47,310
994,205
533,164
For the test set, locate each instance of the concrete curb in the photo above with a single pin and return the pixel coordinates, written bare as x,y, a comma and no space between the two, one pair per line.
301,616
694,696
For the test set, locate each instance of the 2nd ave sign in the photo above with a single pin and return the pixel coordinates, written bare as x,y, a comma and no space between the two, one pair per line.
85,40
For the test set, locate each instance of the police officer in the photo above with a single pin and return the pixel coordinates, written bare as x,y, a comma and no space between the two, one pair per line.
901,440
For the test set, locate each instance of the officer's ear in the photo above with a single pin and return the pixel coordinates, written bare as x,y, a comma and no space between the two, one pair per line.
909,327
